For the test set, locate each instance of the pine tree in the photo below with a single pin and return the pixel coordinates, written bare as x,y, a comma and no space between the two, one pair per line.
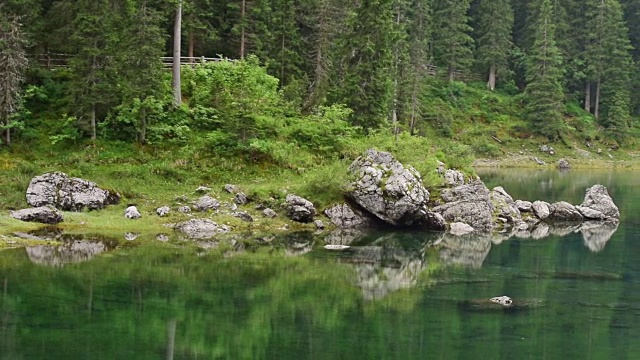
13,64
366,82
615,85
544,93
452,44
495,25
138,66
419,39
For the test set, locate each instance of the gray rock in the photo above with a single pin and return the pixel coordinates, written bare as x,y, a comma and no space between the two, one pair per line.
541,209
203,189
163,211
241,198
299,209
184,209
200,228
233,207
469,204
129,236
563,211
231,189
538,161
441,168
343,216
563,165
132,213
523,206
244,216
42,214
433,221
162,237
206,203
597,198
269,213
386,189
590,213
504,206
453,178
71,194
458,229
546,149
319,224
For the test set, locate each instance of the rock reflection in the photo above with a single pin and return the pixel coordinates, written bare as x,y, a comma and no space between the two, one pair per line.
385,266
597,234
71,251
467,250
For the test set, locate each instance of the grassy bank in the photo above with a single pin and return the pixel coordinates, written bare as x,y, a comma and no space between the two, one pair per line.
469,126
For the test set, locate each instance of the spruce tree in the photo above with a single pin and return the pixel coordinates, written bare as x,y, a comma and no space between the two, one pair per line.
13,64
365,84
419,39
494,28
544,92
452,44
616,84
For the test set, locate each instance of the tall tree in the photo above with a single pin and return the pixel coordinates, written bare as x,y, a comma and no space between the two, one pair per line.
616,76
176,82
494,28
322,22
13,64
419,38
544,92
139,68
452,44
366,83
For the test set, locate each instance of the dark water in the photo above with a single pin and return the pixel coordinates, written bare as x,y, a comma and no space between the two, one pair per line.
393,296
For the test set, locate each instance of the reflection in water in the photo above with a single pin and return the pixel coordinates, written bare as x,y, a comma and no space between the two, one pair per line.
596,234
73,251
467,250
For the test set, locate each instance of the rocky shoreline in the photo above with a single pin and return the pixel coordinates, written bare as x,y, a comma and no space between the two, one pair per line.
383,193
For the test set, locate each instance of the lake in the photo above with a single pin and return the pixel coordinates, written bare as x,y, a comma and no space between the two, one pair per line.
392,296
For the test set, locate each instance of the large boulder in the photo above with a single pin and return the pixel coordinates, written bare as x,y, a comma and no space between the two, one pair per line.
71,194
343,216
388,190
42,214
503,205
598,204
563,211
299,209
469,204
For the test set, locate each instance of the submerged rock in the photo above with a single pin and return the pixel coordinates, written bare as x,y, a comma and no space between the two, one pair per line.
70,194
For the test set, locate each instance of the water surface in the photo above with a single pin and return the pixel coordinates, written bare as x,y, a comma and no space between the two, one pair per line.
394,296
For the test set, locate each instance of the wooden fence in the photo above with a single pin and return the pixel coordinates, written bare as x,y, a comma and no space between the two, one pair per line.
55,60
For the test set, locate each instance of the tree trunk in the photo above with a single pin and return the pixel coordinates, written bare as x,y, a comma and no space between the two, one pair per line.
93,122
7,135
142,135
587,97
452,74
596,110
243,12
192,45
491,84
177,42
171,339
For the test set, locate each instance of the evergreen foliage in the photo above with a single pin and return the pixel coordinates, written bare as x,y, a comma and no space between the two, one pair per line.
452,44
544,74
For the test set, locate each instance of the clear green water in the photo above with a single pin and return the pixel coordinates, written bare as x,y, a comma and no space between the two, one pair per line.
393,297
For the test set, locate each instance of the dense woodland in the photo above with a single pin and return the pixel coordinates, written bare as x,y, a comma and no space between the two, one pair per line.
317,70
